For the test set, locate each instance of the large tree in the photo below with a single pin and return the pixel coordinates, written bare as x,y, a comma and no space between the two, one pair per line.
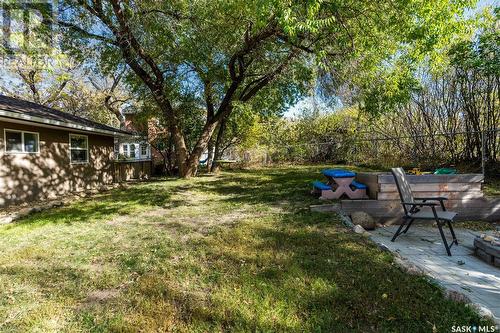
221,52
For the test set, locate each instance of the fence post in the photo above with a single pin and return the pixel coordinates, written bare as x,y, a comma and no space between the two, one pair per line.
483,152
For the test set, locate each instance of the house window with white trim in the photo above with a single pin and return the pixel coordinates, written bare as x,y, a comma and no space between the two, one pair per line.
132,150
144,150
79,148
21,142
125,150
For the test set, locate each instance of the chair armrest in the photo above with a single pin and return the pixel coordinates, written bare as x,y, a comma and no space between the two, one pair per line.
433,198
430,204
440,199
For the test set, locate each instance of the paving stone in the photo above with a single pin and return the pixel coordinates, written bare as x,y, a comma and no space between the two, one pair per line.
462,273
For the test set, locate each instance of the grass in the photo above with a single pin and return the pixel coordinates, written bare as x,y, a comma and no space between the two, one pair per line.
492,187
234,252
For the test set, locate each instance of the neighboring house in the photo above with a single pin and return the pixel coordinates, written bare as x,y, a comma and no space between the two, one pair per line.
136,147
46,153
133,153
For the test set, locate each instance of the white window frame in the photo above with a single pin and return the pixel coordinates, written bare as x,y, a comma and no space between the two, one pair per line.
22,142
134,150
145,145
125,150
71,135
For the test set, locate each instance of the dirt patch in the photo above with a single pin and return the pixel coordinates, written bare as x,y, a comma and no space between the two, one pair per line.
98,297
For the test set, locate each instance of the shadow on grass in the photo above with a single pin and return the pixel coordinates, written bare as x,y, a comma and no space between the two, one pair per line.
104,206
331,279
266,186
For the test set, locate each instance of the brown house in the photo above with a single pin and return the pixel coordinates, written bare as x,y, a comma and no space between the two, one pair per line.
46,153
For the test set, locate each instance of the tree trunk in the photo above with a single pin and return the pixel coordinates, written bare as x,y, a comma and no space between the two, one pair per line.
218,144
181,150
191,165
210,157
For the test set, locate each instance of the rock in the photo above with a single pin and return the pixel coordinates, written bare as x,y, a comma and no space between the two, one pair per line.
24,212
346,220
37,209
6,219
379,225
488,239
456,296
483,312
103,188
408,266
363,219
359,229
57,204
383,247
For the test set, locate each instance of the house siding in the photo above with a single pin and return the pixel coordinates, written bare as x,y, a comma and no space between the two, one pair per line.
49,173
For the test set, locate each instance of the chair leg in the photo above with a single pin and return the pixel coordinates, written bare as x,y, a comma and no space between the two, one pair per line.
408,226
452,233
398,232
443,238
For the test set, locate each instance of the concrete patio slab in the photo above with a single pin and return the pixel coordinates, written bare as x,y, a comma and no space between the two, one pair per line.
462,272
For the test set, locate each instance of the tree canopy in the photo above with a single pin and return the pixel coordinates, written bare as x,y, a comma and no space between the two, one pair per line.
215,53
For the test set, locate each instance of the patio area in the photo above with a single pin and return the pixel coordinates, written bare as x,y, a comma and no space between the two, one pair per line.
462,272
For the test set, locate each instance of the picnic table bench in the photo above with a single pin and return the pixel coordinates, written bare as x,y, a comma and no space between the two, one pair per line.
339,182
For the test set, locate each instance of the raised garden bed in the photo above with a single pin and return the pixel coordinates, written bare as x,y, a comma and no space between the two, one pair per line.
487,251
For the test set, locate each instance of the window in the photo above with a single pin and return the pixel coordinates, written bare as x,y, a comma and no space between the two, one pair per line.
125,149
79,148
132,151
144,150
21,142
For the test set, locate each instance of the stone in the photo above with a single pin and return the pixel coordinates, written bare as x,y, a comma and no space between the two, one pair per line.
37,209
379,225
407,266
57,204
24,212
488,239
359,229
346,220
6,219
103,188
483,312
363,219
457,296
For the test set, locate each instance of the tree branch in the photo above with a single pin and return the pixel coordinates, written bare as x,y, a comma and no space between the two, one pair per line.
253,87
85,33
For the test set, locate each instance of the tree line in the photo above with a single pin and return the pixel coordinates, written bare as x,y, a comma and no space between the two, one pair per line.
208,70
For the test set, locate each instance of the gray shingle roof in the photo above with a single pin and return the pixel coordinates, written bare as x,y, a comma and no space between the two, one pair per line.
23,107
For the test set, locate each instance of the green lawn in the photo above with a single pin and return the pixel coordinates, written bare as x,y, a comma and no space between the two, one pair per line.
234,252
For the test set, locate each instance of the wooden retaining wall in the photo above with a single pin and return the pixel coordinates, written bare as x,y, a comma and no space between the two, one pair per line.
464,191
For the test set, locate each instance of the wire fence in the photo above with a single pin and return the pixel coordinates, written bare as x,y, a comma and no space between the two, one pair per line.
471,151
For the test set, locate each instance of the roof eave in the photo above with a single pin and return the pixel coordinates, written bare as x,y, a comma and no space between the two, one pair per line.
56,123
